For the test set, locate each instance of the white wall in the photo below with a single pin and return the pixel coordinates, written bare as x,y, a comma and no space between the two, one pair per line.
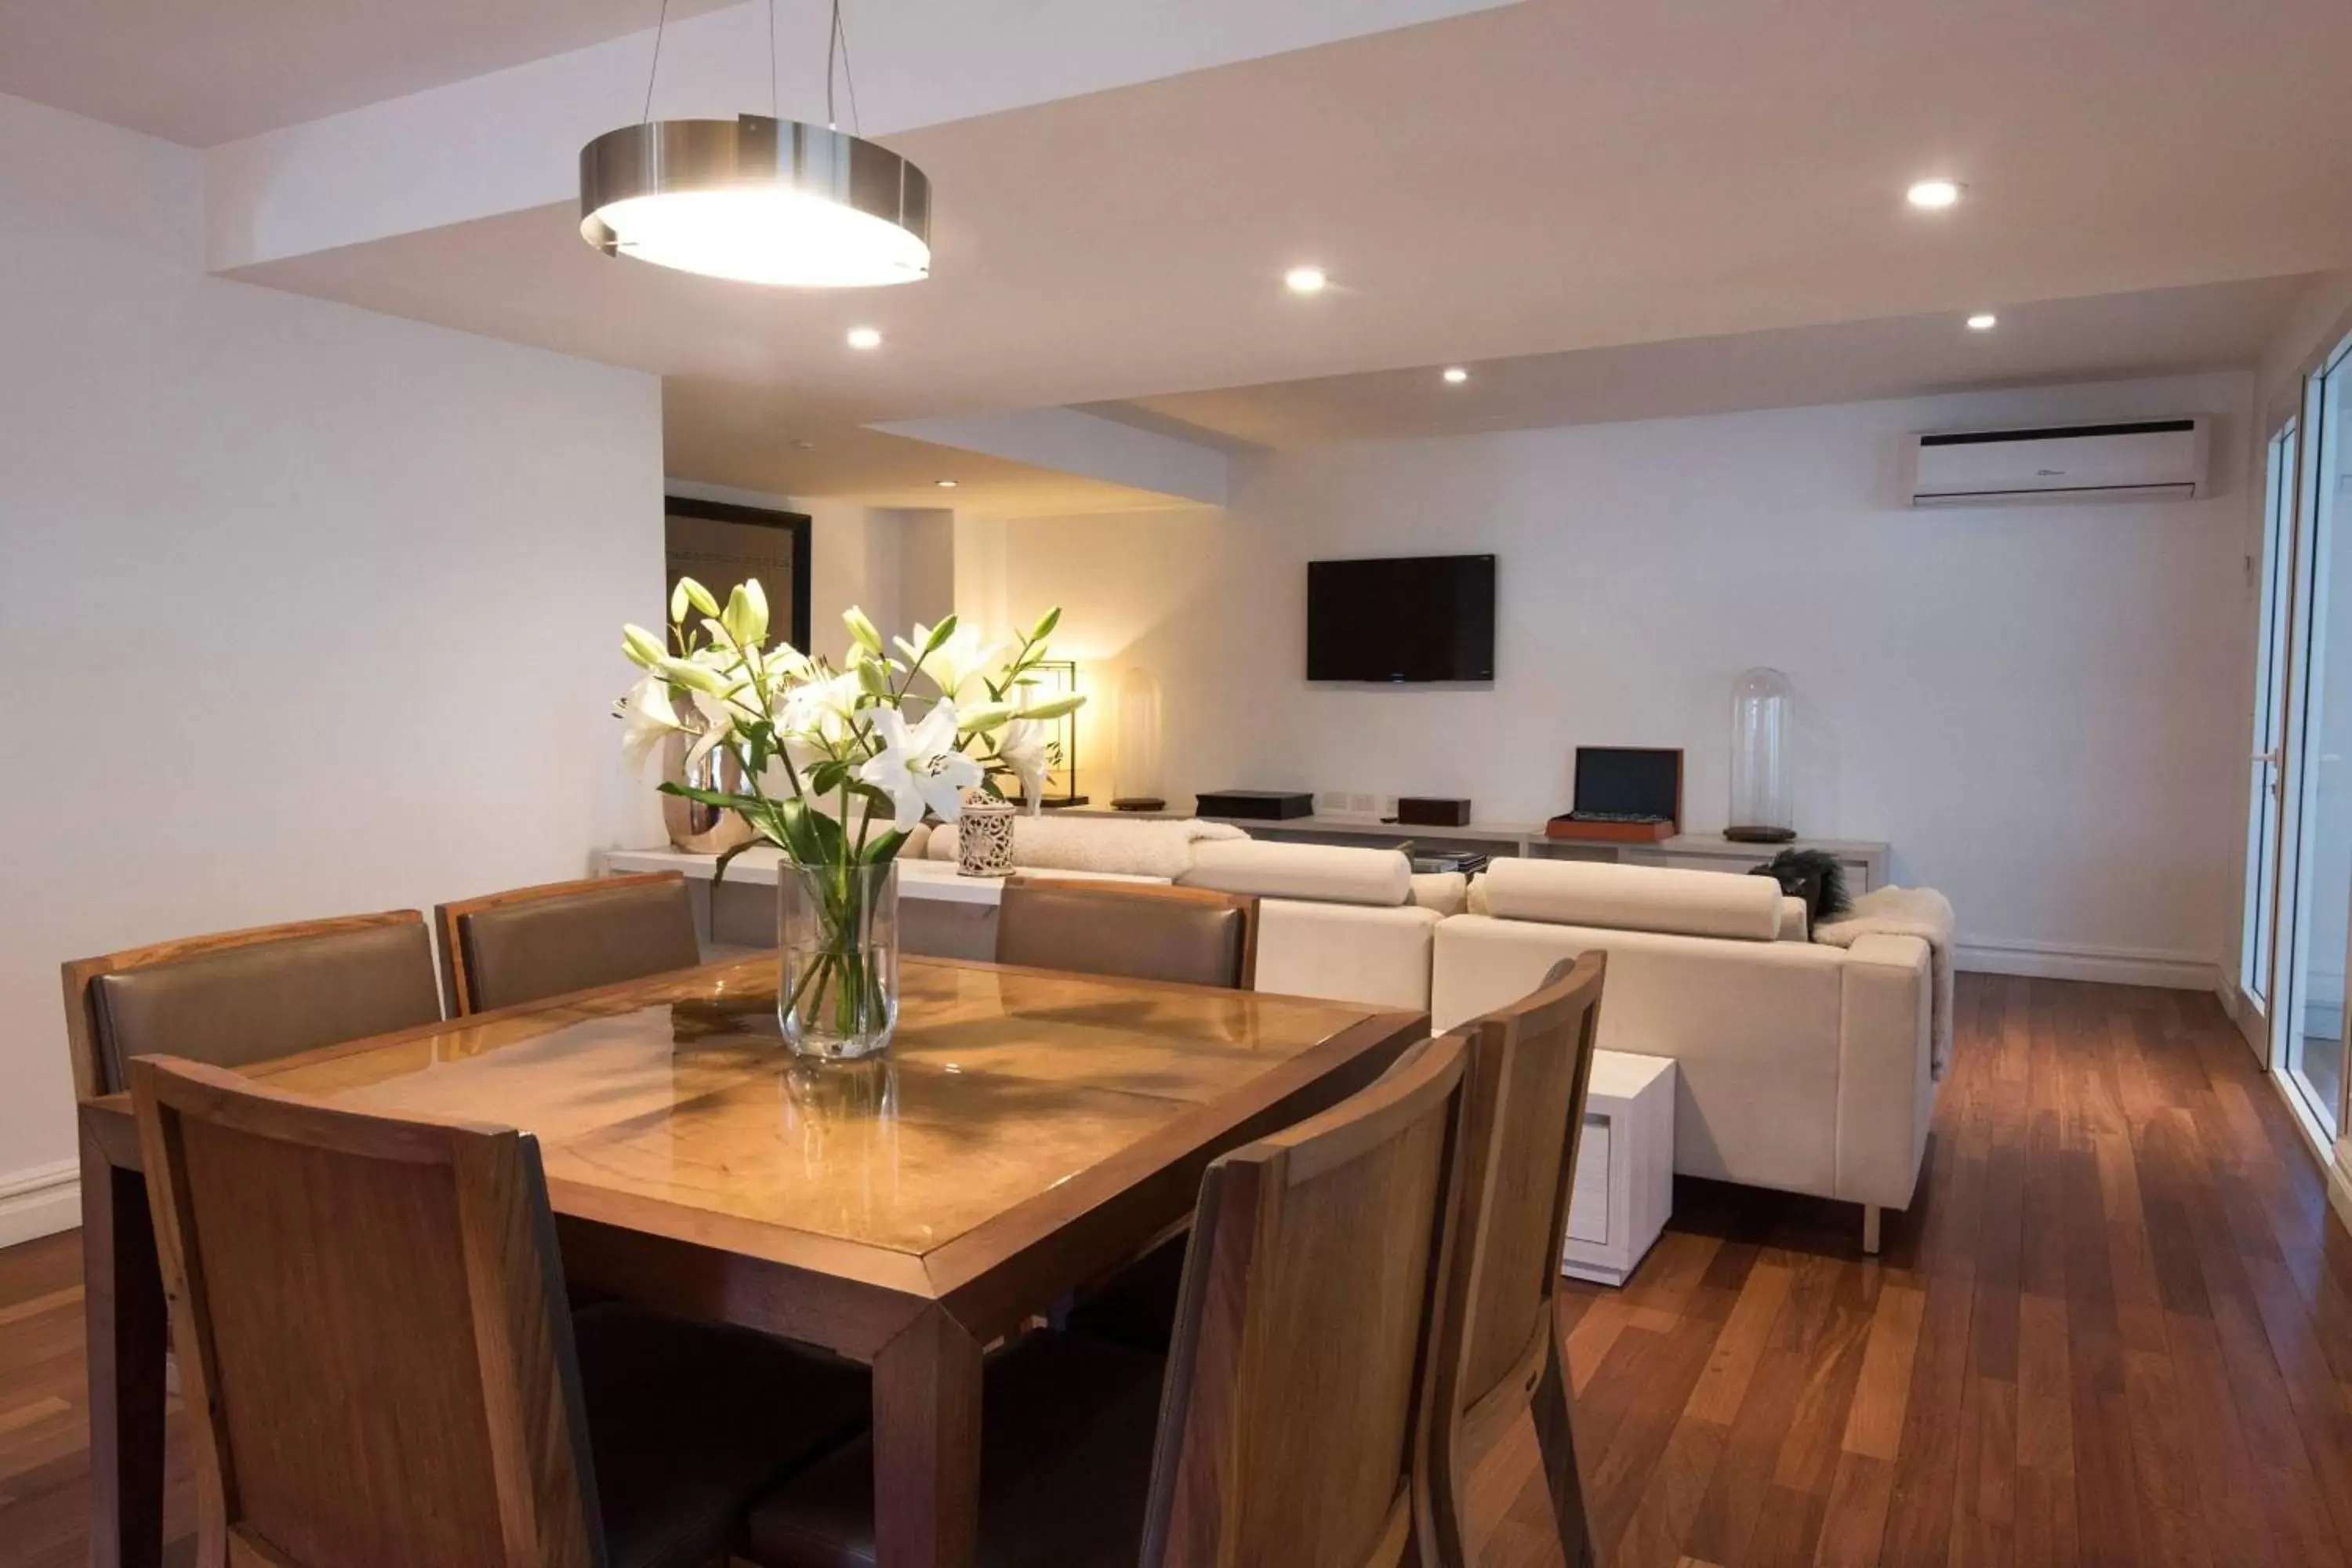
304,611
2040,708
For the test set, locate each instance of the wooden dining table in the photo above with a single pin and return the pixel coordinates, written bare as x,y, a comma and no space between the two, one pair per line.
1026,1132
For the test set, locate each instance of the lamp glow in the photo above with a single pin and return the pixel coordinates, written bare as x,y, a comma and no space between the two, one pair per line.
864,337
1305,279
1933,195
1983,322
1456,375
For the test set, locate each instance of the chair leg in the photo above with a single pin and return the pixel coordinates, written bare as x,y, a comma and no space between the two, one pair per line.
1556,1441
1871,1216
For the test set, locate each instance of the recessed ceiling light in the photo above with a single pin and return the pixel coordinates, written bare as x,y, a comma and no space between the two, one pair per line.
1456,375
1933,193
1983,322
865,338
945,484
1305,279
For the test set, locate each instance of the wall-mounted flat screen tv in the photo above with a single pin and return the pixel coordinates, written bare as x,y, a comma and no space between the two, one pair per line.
1397,618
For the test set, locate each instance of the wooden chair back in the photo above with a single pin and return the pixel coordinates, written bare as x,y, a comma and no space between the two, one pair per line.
1527,1069
1138,930
372,1333
1291,1422
529,943
236,997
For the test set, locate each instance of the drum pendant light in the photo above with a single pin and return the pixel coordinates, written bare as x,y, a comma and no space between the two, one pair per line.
759,199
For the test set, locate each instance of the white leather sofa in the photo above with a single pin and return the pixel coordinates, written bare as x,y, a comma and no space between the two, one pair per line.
1803,1068
1353,924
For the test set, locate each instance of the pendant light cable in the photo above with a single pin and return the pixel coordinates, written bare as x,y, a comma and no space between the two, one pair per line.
832,38
775,109
837,40
659,25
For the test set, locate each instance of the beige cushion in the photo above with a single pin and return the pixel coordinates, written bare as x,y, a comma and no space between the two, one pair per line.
1793,919
1324,873
1634,898
1348,952
1445,892
1114,846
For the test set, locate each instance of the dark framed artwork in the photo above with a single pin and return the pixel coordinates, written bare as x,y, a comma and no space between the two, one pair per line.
719,543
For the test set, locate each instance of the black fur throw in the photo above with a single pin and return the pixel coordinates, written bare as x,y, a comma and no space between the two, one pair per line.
1812,875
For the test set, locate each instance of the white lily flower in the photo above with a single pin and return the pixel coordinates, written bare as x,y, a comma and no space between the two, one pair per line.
718,720
1023,745
918,767
952,664
647,721
821,709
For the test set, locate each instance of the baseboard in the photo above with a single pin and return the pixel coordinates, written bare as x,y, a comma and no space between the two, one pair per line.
39,1202
2108,965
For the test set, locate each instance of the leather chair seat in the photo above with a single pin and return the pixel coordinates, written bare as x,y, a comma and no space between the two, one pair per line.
239,1005
1140,934
1067,1427
689,1422
528,948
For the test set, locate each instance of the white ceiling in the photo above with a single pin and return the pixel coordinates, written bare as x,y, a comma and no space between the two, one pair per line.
2158,331
1544,177
750,437
202,74
1528,184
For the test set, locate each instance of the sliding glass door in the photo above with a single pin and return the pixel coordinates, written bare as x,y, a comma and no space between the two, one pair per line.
2314,896
2270,721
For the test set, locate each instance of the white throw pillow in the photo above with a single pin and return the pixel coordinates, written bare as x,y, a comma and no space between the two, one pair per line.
1632,898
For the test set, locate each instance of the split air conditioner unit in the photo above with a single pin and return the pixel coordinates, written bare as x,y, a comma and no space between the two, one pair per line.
2138,459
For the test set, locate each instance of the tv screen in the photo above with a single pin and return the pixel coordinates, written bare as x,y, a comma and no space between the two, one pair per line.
1417,617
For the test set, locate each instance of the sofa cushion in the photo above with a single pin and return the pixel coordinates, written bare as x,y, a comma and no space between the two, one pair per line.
1632,898
1137,846
1444,892
1320,873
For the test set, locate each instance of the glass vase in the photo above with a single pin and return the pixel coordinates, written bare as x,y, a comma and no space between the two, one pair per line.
837,943
1761,810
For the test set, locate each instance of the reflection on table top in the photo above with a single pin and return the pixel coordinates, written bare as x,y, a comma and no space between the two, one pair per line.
1001,1085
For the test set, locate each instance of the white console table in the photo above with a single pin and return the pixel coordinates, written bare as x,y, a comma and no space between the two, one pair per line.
940,913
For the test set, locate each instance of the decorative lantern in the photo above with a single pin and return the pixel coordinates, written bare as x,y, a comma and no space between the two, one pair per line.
1135,747
1761,710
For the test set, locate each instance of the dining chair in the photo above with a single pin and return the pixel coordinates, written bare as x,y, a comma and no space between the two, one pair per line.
1526,1071
233,999
529,943
1138,930
1285,1424
382,1371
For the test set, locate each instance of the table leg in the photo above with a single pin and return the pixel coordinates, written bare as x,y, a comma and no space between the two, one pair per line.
927,1445
123,1312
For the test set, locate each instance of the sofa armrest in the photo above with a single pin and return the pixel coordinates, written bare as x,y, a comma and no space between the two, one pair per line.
1886,1090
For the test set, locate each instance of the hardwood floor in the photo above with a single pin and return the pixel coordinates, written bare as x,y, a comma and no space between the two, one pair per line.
2117,1328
